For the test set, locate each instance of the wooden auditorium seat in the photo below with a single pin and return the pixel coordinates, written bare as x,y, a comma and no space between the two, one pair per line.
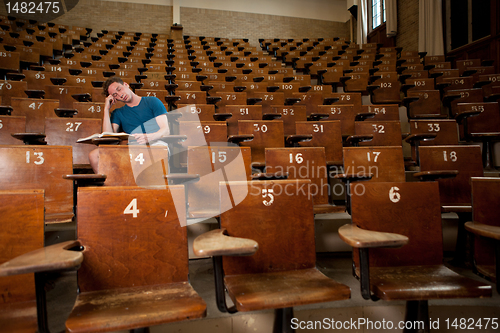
146,282
304,163
255,257
398,248
41,167
485,227
24,306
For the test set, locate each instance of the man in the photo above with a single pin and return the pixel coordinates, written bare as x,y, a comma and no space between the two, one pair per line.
143,117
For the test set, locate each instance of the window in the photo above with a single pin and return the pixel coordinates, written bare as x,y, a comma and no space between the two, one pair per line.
377,13
467,21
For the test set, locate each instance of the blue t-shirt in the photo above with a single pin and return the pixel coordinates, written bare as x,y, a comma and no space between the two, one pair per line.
140,118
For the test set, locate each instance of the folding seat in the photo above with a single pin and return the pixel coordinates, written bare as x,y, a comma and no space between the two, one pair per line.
234,113
452,166
381,111
258,135
152,299
133,165
64,93
452,97
379,133
386,89
254,277
40,167
200,133
22,219
66,132
325,134
94,109
484,227
10,89
431,132
289,114
35,111
486,82
398,248
213,164
424,104
416,84
11,124
481,122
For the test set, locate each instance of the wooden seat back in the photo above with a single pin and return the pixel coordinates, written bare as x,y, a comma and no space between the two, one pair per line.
11,124
142,265
22,220
267,134
428,104
346,114
63,94
273,232
385,164
9,89
464,158
290,115
382,111
325,134
35,111
241,112
385,133
66,131
485,191
41,167
133,165
406,208
214,164
195,112
302,163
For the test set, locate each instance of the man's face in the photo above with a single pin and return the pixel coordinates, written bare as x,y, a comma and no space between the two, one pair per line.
120,92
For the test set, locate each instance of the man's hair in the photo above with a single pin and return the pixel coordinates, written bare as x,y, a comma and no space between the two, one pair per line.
108,82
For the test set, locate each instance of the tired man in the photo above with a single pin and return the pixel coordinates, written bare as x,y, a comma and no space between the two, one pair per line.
142,117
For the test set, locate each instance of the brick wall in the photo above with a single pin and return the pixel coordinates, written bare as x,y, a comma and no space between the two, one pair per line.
217,23
407,36
112,15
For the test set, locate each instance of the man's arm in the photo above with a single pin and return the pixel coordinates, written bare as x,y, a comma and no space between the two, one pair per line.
164,130
107,126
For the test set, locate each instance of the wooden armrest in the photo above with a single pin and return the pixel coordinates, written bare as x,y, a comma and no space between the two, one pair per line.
330,100
87,179
180,178
360,238
5,110
30,138
346,177
65,113
217,243
318,116
364,115
484,230
305,89
240,138
271,116
173,138
412,138
293,139
356,139
49,258
462,115
222,116
253,100
435,175
269,176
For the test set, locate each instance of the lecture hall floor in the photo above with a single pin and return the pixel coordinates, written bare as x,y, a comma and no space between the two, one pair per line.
336,265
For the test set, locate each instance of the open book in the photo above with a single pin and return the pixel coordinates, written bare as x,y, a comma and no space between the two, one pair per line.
104,135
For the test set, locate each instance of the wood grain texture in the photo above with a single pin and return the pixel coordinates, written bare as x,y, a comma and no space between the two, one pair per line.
272,137
217,243
22,220
135,268
128,165
467,161
356,237
49,258
383,163
43,167
278,215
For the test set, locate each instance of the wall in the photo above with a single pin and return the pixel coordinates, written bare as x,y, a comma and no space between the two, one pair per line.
217,23
222,18
407,36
